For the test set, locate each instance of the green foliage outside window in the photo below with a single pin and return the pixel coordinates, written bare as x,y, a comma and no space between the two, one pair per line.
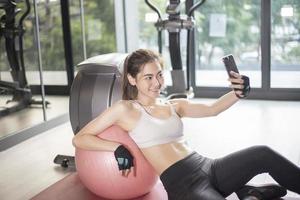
51,34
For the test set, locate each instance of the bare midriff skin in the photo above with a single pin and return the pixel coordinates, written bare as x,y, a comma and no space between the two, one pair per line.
163,156
159,156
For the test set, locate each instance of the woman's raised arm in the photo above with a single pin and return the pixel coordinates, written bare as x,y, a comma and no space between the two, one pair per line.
186,108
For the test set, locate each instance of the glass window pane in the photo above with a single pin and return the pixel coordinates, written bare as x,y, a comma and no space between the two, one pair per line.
285,44
76,31
100,39
51,41
99,28
227,27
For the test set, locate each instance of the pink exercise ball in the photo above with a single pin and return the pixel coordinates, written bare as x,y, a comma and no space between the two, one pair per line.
98,170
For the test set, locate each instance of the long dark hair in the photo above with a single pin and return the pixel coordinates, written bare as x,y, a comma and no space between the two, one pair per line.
133,64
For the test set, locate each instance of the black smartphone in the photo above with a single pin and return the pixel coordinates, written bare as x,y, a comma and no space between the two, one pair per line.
230,65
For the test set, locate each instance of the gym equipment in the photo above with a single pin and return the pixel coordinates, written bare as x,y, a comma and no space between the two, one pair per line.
174,23
65,161
13,34
98,170
96,87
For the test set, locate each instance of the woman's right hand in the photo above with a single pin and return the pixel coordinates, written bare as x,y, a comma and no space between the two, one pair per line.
240,84
124,158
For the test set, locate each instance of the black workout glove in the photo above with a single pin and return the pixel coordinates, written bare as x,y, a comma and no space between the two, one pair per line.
123,157
246,89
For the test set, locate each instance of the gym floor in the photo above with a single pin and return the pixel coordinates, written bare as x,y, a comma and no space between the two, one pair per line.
27,168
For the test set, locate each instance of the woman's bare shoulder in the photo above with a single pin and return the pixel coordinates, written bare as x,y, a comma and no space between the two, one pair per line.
127,114
123,105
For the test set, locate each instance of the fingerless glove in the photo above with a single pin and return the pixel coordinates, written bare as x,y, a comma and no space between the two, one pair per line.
123,157
246,89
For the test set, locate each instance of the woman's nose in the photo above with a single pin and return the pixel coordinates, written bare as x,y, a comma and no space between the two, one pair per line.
157,81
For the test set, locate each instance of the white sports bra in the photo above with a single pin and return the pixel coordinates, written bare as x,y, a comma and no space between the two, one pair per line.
151,131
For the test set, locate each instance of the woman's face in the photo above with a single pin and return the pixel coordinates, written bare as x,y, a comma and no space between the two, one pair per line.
150,80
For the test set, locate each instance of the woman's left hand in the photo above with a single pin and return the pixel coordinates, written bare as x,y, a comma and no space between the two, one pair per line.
124,160
240,84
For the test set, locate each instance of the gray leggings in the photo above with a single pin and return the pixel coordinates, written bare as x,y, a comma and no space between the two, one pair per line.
199,178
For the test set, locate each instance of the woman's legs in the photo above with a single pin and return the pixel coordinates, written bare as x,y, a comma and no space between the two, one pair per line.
232,172
189,179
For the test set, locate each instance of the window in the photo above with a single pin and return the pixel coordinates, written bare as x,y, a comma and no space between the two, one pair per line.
285,44
100,38
227,27
99,28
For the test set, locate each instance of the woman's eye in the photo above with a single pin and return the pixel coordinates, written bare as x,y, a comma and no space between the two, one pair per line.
148,78
160,75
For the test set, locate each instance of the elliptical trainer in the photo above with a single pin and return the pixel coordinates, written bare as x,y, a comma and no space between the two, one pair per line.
13,34
174,23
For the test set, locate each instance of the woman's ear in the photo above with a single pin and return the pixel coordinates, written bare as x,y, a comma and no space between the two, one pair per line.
131,80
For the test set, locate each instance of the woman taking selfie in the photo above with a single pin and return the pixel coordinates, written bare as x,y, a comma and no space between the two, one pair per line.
156,127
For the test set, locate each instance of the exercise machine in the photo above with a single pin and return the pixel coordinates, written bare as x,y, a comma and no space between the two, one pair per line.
96,87
13,33
174,24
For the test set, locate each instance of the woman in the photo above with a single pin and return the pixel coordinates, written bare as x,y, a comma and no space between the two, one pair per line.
157,129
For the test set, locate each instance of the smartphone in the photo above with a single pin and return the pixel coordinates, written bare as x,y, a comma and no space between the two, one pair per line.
230,65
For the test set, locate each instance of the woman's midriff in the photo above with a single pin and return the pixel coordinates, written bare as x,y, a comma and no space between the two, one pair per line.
163,156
